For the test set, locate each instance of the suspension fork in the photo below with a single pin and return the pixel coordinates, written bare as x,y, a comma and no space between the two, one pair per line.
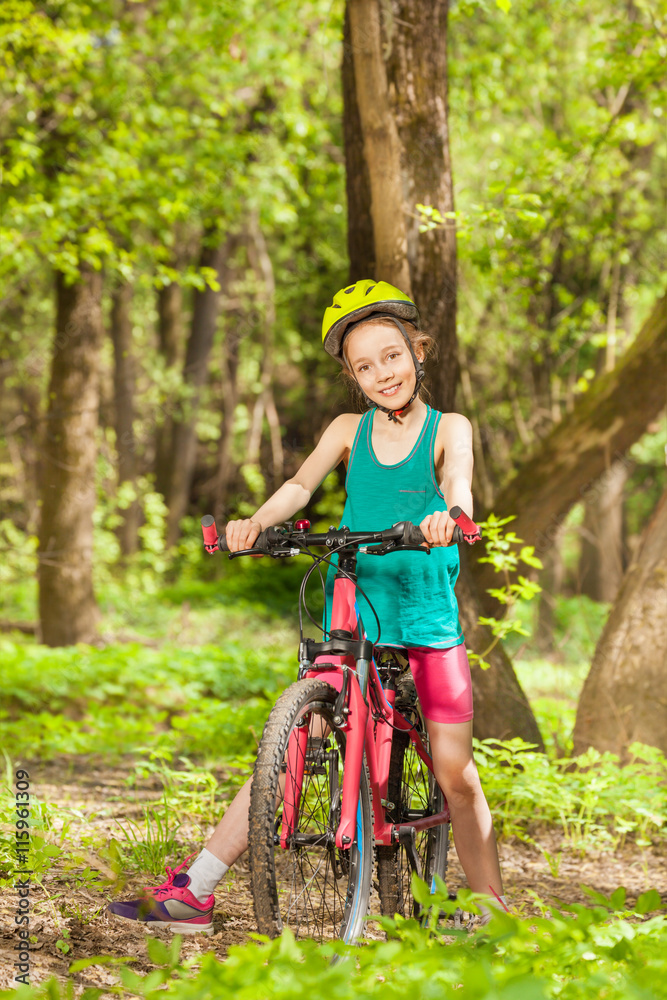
295,760
355,729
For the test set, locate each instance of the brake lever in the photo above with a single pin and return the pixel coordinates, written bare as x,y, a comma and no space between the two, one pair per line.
275,554
386,547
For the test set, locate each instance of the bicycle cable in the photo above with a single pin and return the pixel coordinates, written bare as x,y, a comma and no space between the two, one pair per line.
327,558
380,716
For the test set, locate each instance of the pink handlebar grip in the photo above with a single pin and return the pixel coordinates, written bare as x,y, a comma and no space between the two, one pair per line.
467,526
209,531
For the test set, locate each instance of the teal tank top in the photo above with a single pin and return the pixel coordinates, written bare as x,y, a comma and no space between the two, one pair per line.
413,594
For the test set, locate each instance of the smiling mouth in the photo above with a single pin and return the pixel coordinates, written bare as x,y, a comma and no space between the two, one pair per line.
391,391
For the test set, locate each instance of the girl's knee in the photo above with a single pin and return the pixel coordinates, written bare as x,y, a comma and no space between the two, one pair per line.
460,784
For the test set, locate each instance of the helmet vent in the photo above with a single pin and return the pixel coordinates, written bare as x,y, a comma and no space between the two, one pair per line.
370,289
336,305
350,289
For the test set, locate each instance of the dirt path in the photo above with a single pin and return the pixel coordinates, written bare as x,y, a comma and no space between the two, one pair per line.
76,917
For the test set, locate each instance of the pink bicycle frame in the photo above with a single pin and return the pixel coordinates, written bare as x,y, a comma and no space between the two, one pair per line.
362,734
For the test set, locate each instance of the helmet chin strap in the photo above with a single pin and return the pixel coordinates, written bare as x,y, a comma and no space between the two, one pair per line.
419,371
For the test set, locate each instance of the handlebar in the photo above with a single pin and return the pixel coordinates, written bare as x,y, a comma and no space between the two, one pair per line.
280,542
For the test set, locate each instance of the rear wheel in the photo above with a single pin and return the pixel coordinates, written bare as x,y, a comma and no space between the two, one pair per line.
310,886
412,793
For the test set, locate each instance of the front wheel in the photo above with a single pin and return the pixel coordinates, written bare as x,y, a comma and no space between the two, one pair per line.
412,793
308,885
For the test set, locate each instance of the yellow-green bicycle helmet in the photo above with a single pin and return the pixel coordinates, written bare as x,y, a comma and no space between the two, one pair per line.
357,302
354,304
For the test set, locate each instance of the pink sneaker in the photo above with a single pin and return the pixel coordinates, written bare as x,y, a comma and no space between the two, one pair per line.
170,905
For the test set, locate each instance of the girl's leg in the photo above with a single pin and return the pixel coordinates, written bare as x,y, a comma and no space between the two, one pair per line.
472,826
230,838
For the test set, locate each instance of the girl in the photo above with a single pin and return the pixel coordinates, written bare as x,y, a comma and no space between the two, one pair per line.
413,465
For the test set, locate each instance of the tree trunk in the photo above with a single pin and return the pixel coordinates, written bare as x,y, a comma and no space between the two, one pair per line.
381,145
360,240
623,698
261,262
551,580
481,481
170,304
601,561
567,466
184,442
67,609
229,400
124,383
501,708
417,74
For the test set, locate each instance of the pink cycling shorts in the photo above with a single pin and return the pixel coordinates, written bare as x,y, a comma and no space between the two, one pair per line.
442,679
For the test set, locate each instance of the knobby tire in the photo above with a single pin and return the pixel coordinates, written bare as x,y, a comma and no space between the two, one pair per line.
317,890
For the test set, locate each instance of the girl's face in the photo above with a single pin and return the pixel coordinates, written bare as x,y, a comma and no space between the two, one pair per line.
382,364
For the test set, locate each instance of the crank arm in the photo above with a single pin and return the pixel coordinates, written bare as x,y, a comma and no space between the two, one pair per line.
407,838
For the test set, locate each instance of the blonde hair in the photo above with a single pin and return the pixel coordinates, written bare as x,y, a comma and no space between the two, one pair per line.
418,339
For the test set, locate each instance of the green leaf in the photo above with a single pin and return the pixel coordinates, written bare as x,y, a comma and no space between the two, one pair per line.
157,951
649,901
618,898
83,963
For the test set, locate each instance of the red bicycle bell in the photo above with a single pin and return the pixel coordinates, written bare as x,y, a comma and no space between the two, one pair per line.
302,525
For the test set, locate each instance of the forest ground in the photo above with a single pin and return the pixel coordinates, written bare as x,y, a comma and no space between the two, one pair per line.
90,792
75,918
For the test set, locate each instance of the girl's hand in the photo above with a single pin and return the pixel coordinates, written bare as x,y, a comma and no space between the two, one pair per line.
242,534
438,528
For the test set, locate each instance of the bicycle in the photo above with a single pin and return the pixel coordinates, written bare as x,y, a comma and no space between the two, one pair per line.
343,767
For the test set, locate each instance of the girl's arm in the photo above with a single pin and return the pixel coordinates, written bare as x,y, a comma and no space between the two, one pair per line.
455,433
294,494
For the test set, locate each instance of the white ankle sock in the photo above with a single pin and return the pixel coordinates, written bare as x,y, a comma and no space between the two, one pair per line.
205,872
494,903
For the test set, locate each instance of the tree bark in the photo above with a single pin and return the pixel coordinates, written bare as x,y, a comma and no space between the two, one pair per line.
623,698
124,384
170,304
601,565
360,239
568,465
261,262
223,474
502,710
551,580
417,75
67,609
381,145
184,441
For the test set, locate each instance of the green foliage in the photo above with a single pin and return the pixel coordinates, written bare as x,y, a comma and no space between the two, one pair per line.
603,950
596,803
213,696
150,848
329,508
559,147
499,552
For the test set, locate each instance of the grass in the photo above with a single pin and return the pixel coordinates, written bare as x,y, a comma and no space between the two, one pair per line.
574,952
186,707
182,710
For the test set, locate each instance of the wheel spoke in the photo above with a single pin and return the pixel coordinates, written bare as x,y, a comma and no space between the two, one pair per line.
312,882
